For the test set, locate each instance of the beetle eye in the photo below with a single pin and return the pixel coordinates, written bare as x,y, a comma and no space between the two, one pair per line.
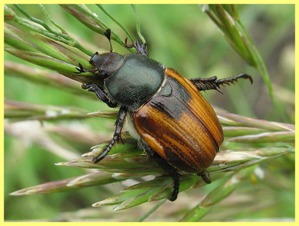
93,60
103,74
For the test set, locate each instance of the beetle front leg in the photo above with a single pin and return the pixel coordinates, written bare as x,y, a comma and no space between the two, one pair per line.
100,94
140,47
116,136
214,83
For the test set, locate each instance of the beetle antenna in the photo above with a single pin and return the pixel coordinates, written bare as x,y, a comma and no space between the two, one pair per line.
107,33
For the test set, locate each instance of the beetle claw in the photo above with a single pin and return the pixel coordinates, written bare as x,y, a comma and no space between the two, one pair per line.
218,89
80,69
140,47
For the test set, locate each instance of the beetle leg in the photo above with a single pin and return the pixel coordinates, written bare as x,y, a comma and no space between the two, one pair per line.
205,176
140,47
100,94
116,136
172,172
80,69
214,83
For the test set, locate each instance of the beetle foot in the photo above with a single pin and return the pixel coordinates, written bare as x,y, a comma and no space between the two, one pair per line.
80,69
89,87
203,84
205,176
176,187
140,47
101,156
231,80
106,150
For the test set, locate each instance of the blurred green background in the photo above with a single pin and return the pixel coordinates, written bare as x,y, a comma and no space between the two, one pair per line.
181,37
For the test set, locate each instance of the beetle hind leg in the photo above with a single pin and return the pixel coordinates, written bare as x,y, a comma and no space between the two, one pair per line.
170,170
214,83
205,176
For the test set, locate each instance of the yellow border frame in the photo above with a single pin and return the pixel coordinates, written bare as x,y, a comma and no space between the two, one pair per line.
3,2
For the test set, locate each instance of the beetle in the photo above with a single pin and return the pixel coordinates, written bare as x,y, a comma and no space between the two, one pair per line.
163,110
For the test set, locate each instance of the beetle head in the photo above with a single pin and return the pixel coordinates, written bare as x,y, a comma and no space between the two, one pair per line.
106,64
